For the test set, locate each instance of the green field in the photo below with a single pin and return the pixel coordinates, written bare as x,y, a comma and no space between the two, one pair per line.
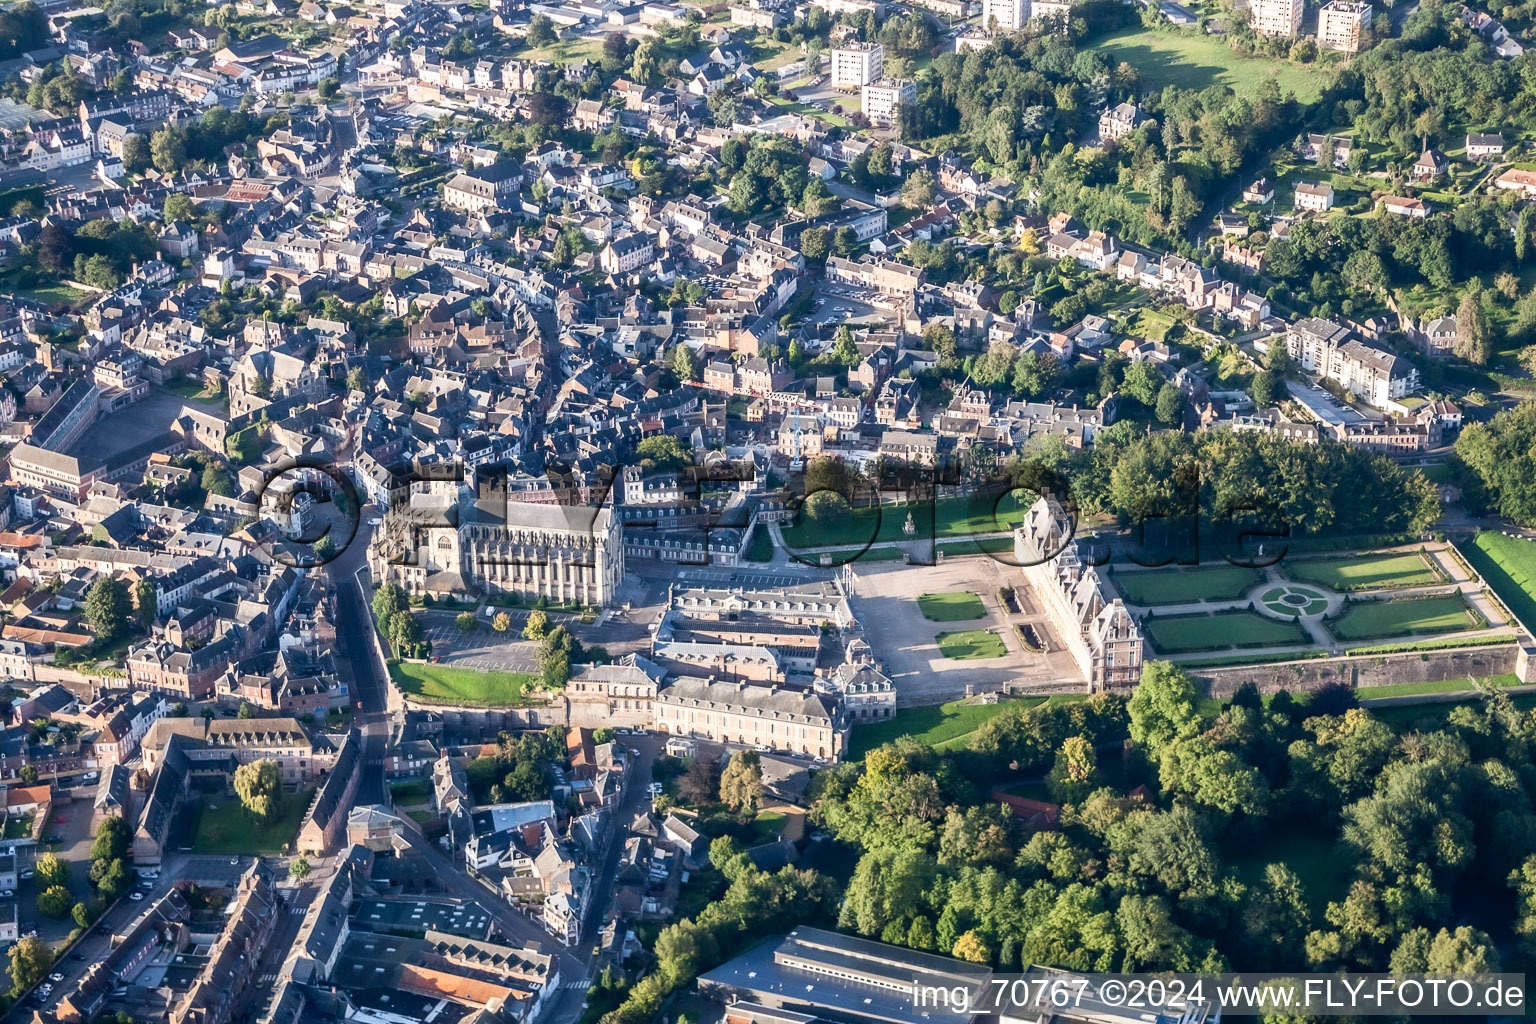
439,684
410,791
1314,855
931,725
952,606
1179,633
951,517
1180,586
225,827
1366,572
1414,689
1194,60
1508,565
1398,618
971,645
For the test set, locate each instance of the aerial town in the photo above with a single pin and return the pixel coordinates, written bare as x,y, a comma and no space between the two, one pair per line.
579,512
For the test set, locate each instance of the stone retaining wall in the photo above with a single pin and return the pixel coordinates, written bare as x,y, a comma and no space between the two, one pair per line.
1366,670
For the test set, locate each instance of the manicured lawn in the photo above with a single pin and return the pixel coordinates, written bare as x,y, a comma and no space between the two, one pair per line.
951,606
931,725
1178,586
224,827
440,684
48,294
765,828
1179,633
951,517
19,828
1508,564
971,644
1194,60
1397,618
1366,572
981,545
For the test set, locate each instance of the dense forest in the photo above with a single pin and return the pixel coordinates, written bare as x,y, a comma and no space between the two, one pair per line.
1276,834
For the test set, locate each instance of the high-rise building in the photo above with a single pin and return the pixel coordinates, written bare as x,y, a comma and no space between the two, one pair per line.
880,99
1277,17
1009,15
1340,23
855,65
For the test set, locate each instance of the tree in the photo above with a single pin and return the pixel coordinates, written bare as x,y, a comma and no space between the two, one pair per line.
111,840
1473,342
501,622
55,902
844,350
555,656
741,784
168,149
28,775
82,915
1163,706
815,244
405,633
465,622
112,880
146,597
541,30
260,788
664,451
30,960
106,609
971,947
387,600
298,870
700,782
1075,773
1141,383
686,363
328,88
245,711
1262,388
357,379
1170,402
536,626
918,190
51,871
136,154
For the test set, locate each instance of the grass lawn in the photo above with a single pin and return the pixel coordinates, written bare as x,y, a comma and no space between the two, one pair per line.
48,294
806,110
951,517
1179,633
1396,618
765,828
186,387
1314,855
1432,716
19,828
439,684
1178,586
931,725
951,606
1414,689
1194,60
982,545
410,791
224,827
1508,564
1367,572
971,645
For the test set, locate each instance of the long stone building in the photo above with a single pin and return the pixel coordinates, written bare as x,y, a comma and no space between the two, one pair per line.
1103,637
795,721
487,544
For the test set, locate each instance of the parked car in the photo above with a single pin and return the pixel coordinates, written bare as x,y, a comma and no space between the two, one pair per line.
135,896
55,976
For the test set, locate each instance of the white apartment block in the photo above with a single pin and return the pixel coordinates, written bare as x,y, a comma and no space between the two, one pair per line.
855,65
880,99
1340,24
1277,17
1010,15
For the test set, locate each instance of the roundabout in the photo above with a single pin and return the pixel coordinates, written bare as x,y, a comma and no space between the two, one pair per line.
1290,599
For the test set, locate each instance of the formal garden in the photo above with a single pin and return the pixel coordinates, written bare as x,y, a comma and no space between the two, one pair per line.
1186,585
1366,572
1215,631
1365,620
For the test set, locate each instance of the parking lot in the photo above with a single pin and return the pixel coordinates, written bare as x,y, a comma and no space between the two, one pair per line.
740,578
69,821
837,304
484,649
